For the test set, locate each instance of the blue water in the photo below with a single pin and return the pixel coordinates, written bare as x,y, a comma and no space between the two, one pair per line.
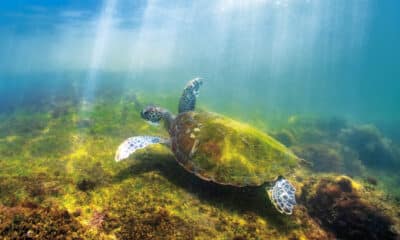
313,57
264,62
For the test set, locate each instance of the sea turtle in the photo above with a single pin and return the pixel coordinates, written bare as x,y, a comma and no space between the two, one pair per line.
218,149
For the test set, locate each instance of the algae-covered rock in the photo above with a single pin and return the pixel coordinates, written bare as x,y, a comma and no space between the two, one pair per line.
341,206
30,221
324,158
372,147
219,149
286,137
57,181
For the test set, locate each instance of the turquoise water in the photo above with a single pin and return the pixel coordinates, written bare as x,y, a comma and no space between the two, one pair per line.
326,71
335,58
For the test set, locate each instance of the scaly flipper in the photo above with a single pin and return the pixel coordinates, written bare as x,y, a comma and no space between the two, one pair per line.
282,195
187,102
132,144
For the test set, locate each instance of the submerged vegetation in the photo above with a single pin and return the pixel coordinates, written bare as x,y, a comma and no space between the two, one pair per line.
58,180
344,210
30,221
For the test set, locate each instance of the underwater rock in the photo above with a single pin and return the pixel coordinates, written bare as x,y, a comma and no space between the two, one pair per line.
23,124
86,185
8,195
12,146
77,212
286,137
50,146
371,180
239,238
352,166
373,149
152,198
98,219
316,130
341,209
92,175
51,223
331,125
153,224
36,187
324,158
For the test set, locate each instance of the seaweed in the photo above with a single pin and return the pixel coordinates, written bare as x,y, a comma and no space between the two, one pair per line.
50,146
86,185
59,181
12,146
155,224
332,125
373,149
36,188
340,208
371,180
315,130
24,124
98,219
324,158
286,137
92,176
29,221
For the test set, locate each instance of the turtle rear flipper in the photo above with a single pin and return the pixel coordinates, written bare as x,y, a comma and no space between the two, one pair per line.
187,102
282,195
132,144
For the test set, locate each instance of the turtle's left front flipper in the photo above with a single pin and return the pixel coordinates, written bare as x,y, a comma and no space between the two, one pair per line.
132,144
282,195
187,102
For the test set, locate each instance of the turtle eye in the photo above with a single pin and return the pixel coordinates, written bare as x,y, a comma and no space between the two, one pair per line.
146,113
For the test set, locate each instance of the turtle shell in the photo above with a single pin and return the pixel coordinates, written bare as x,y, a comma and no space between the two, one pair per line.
222,150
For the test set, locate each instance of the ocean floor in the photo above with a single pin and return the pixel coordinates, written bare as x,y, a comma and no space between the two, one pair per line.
59,180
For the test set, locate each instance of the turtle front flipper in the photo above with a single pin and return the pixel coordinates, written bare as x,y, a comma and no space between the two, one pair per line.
132,144
282,195
187,102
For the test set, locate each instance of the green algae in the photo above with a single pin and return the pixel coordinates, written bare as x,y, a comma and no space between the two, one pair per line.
343,208
31,221
58,174
220,149
324,157
336,146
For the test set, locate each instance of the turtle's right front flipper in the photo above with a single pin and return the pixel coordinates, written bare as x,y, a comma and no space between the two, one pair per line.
132,144
187,102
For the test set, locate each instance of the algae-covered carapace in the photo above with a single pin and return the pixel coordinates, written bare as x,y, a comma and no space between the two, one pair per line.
296,113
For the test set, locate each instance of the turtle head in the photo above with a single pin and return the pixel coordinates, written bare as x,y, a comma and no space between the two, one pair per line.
152,114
